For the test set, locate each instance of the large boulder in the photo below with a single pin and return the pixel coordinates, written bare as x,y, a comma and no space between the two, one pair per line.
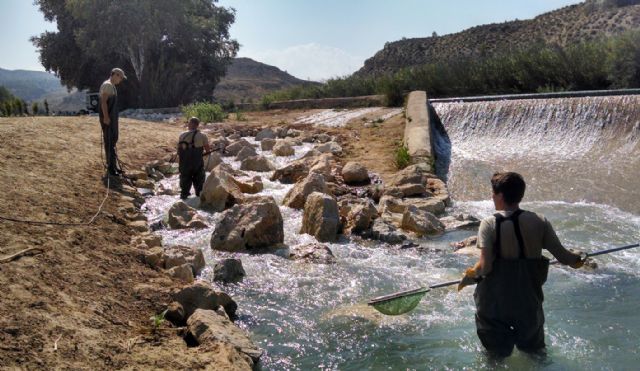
228,270
407,190
421,222
212,160
182,272
218,144
460,221
246,152
283,148
267,144
220,191
355,173
300,168
257,163
252,186
321,218
439,190
385,231
297,195
201,295
412,174
182,216
254,225
178,255
357,216
267,133
207,326
433,205
234,148
313,253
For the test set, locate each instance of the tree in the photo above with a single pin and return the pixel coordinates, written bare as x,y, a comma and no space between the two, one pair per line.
34,108
46,107
173,51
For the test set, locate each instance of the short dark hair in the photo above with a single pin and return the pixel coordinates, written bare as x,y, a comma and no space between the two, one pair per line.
510,184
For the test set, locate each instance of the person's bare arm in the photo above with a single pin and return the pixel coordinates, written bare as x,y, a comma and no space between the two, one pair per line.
104,97
553,245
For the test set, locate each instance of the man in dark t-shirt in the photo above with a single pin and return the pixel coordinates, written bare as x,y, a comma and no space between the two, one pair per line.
108,114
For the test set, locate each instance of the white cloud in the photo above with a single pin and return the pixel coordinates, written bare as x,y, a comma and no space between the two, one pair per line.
309,61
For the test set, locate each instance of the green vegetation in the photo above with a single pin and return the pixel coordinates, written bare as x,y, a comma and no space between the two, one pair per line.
206,112
402,158
606,63
34,108
158,319
11,105
173,52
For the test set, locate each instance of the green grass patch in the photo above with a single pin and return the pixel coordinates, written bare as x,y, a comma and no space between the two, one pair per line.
205,111
402,158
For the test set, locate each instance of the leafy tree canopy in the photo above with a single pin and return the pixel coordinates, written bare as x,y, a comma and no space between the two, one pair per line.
173,51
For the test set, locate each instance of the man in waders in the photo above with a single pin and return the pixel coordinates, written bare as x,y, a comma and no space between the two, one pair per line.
190,150
108,114
512,270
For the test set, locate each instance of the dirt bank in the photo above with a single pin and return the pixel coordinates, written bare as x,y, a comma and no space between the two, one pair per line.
86,301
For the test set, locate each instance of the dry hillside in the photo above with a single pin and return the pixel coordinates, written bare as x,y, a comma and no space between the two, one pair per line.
571,24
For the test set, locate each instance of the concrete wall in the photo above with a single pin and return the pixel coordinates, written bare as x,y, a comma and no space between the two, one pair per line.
417,129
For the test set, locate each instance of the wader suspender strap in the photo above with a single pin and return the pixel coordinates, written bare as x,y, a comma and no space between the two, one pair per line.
516,227
193,138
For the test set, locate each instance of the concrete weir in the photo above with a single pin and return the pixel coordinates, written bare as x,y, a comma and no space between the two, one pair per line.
417,129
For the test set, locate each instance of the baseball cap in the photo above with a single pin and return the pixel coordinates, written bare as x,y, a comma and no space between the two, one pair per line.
119,71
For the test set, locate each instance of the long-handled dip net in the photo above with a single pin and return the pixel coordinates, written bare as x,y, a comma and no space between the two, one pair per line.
405,301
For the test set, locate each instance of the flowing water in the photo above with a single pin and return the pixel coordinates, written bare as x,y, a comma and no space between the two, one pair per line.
314,316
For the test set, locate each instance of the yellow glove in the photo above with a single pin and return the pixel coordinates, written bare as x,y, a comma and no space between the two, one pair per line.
469,278
581,260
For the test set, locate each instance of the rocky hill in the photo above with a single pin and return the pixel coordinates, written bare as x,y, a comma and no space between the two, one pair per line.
248,80
571,24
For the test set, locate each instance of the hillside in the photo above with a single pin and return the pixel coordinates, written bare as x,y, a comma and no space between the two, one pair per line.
248,80
29,85
571,24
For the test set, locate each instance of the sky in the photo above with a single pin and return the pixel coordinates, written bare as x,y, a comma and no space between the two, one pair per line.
310,39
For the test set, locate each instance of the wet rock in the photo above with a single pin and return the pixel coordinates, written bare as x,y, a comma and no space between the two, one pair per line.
407,190
297,196
412,174
220,191
206,326
182,272
182,216
218,144
283,148
267,133
355,173
254,225
228,271
359,216
212,160
201,295
313,253
432,205
267,144
330,147
321,218
439,190
390,204
467,242
323,165
164,190
421,222
234,148
154,257
460,221
138,225
385,232
321,137
257,163
175,314
337,189
251,186
179,255
246,152
282,132
300,168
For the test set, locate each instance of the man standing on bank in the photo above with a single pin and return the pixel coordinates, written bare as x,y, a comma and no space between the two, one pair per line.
512,270
191,164
108,113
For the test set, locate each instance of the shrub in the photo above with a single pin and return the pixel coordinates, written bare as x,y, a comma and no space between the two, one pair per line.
205,111
402,158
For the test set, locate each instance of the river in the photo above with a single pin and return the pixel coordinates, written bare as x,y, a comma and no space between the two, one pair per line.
313,316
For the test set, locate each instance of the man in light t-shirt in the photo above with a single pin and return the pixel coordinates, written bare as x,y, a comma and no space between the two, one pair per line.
512,271
191,146
108,114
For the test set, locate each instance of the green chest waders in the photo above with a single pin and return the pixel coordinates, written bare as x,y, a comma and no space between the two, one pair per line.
509,299
110,132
